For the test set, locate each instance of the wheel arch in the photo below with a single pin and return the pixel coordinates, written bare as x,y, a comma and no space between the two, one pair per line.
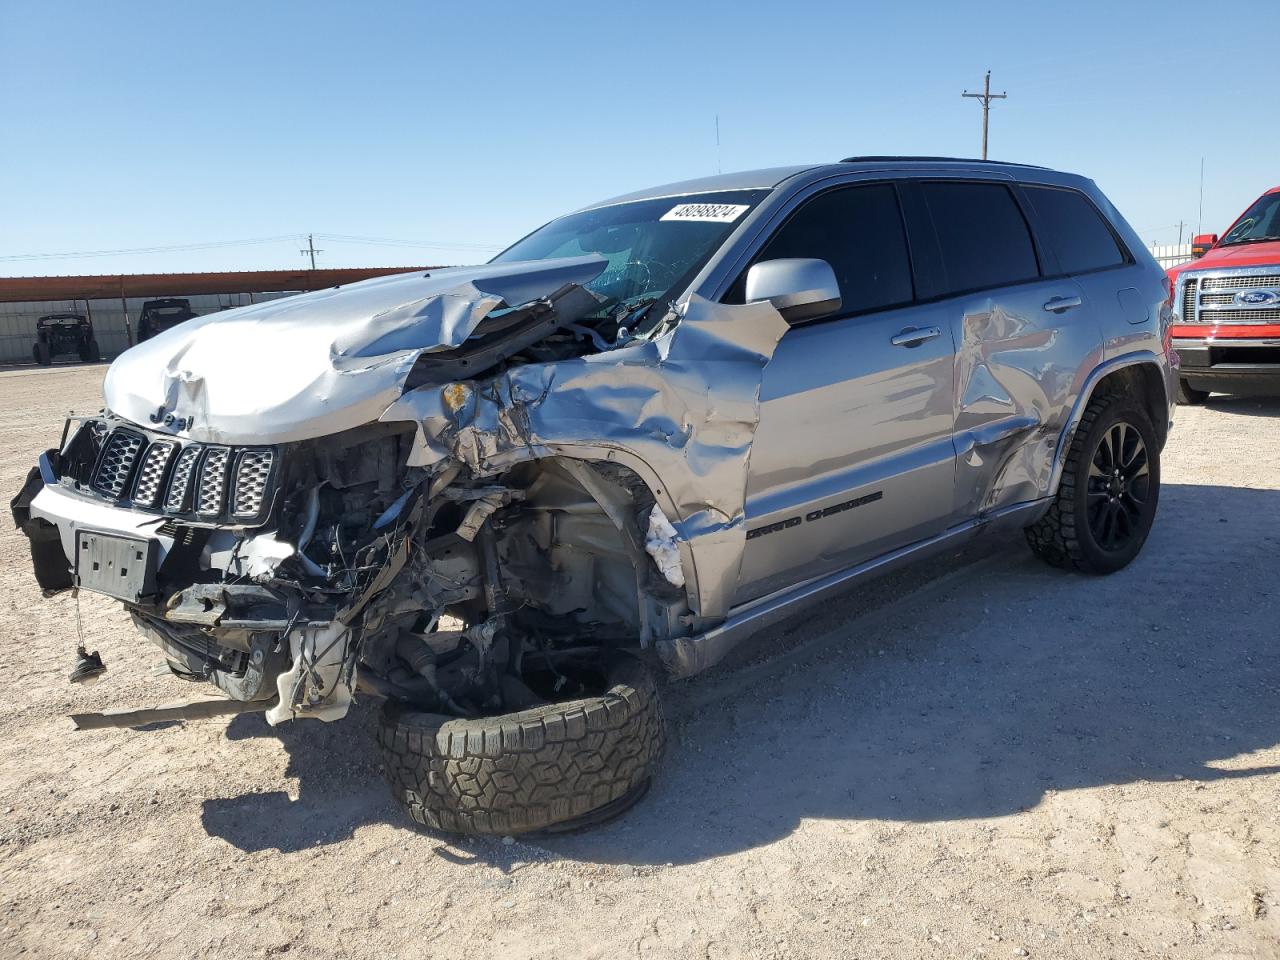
1138,374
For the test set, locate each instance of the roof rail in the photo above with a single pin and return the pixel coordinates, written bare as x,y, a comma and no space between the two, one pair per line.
889,159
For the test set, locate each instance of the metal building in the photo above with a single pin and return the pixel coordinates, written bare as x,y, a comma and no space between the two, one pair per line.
114,302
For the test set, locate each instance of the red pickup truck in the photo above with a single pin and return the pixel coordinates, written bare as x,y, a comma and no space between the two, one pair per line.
1226,325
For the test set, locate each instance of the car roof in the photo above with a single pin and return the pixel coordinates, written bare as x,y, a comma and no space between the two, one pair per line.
765,179
770,177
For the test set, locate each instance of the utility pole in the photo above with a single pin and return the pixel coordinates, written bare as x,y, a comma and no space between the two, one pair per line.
311,251
1200,218
986,96
718,170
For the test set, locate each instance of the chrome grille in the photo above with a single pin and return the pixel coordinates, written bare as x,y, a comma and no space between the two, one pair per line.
1270,315
1189,301
1240,283
252,473
146,489
213,481
118,460
1215,298
198,481
179,495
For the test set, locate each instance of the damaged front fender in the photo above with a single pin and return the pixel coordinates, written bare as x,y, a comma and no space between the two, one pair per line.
680,410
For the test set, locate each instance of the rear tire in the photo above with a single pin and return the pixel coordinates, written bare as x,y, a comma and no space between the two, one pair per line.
559,765
41,352
1110,488
1190,396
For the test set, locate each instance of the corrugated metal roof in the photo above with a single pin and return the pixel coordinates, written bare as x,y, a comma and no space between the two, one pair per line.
114,286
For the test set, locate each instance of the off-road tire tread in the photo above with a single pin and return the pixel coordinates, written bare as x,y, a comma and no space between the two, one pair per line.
529,770
1190,396
1056,537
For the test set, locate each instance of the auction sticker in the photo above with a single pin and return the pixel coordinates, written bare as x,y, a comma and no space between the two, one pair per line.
706,212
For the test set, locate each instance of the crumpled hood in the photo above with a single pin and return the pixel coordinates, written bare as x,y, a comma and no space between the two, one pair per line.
317,363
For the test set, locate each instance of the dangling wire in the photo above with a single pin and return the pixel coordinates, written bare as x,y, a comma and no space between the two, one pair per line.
79,625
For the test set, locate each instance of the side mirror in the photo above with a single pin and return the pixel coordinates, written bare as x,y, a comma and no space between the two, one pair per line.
800,289
1200,244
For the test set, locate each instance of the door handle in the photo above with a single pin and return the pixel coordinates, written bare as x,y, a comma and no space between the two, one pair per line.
915,336
1062,304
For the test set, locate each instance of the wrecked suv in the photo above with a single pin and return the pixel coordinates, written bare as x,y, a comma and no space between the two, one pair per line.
498,499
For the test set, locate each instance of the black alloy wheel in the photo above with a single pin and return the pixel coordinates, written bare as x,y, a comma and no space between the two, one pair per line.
1110,489
1119,487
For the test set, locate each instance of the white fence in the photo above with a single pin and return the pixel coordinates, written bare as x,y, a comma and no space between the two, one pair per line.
1170,254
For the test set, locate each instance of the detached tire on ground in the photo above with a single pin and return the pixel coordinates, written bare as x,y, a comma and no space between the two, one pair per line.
540,768
1109,491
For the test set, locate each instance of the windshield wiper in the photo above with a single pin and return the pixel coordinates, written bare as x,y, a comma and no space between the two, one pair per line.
632,309
1235,243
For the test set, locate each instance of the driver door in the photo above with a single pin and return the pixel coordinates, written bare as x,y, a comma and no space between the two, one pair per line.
853,456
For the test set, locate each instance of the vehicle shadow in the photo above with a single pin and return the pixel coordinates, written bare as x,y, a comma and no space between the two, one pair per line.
1247,405
1019,681
340,787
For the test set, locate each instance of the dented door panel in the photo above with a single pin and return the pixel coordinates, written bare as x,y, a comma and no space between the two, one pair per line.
1019,367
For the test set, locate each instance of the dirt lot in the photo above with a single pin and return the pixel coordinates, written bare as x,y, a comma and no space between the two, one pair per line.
981,757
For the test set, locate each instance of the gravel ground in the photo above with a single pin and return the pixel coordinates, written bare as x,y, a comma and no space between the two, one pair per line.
978,757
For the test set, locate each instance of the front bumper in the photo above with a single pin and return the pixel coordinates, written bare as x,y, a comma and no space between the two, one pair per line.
53,517
238,635
1228,363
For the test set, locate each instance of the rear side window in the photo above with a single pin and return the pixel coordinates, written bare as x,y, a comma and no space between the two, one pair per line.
982,235
1075,230
858,230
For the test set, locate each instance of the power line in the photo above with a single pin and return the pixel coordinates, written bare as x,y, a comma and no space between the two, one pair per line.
393,242
175,248
986,96
218,244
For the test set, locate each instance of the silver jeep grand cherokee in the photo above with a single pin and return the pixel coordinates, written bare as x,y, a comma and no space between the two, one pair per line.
494,497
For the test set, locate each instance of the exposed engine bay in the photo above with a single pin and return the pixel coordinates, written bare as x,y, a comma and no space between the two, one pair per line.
460,595
456,593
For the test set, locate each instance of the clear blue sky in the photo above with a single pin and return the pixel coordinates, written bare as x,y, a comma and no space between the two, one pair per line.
136,125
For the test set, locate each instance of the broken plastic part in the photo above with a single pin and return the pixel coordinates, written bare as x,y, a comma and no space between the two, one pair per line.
662,543
88,668
315,686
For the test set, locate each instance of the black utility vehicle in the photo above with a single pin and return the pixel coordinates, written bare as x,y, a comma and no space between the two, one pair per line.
62,333
159,315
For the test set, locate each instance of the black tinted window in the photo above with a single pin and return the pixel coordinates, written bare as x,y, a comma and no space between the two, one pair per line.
983,237
858,230
1075,230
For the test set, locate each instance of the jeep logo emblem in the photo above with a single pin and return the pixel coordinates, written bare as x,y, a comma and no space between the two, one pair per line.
1257,298
169,420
